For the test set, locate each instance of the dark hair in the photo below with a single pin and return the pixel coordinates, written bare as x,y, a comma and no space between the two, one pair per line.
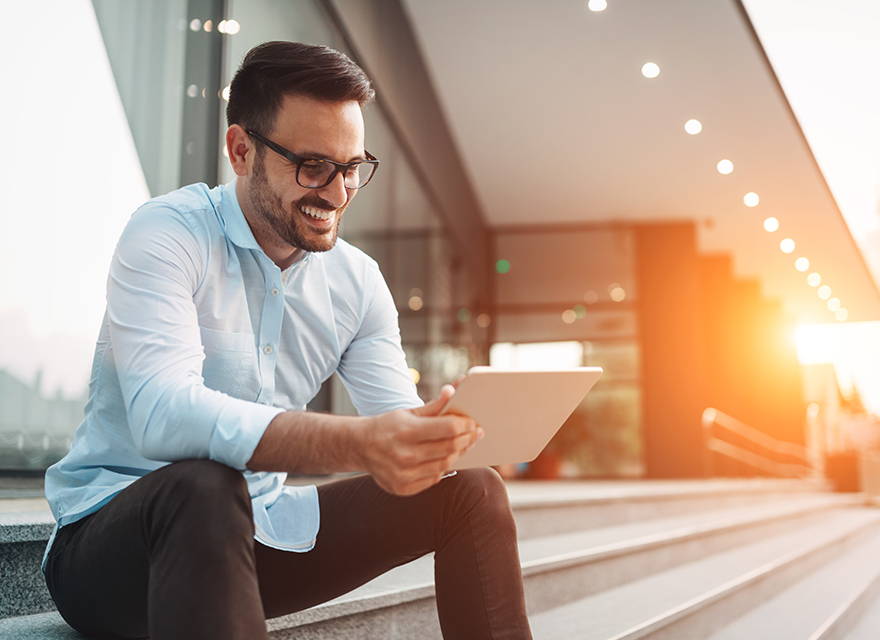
274,69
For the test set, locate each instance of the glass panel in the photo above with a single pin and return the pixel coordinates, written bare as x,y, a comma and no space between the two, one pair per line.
146,46
124,137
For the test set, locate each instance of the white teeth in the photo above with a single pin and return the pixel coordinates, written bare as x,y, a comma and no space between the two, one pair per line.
320,214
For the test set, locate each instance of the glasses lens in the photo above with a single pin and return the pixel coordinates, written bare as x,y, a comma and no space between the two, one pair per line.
314,173
359,175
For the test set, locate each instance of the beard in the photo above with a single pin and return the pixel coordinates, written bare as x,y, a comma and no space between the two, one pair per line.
290,225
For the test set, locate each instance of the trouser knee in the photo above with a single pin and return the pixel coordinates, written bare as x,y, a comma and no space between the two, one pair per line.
483,489
203,494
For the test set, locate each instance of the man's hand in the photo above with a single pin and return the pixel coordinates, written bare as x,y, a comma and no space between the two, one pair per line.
409,450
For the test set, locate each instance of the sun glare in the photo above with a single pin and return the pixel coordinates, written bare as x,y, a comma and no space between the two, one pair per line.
816,343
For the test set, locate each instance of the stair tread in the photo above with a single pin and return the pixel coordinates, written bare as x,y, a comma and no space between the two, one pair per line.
541,492
656,529
37,626
536,551
415,579
617,610
799,610
868,623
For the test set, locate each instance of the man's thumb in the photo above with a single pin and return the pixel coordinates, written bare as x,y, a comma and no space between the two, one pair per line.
435,406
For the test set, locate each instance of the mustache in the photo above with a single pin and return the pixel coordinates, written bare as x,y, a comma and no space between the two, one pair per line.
316,202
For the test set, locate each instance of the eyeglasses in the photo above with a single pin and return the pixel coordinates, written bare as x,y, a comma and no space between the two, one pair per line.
315,173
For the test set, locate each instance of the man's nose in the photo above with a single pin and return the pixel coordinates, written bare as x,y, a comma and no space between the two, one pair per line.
335,192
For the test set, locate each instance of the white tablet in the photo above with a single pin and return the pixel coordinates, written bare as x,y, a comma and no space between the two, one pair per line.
518,410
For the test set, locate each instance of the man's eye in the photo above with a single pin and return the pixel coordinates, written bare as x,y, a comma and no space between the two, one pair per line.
314,168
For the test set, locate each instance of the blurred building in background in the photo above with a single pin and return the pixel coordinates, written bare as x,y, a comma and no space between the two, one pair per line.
559,187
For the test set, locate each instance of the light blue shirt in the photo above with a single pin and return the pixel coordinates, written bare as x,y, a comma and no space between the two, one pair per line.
205,340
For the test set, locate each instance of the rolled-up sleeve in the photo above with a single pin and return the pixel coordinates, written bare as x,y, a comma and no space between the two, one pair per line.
373,368
157,267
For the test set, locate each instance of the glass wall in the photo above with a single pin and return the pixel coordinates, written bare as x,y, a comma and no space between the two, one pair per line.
153,74
585,295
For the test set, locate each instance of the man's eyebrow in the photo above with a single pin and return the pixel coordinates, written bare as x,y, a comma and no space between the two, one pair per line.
314,155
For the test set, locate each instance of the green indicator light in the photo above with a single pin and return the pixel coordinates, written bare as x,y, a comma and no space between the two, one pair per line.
580,310
502,266
464,315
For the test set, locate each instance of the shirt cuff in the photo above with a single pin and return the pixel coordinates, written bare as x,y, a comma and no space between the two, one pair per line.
239,429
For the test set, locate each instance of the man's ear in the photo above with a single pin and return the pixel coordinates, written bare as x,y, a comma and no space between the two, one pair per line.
240,149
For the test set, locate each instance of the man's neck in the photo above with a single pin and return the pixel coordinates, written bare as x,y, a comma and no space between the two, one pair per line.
279,252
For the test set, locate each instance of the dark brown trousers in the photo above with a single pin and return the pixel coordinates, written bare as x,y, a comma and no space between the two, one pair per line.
172,556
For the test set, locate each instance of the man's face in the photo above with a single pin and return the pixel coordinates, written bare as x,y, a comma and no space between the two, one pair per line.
304,218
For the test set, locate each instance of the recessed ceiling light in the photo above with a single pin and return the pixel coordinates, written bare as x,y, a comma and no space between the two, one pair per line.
650,70
841,314
693,126
814,279
771,224
751,199
787,245
834,304
724,167
802,264
617,293
824,292
597,5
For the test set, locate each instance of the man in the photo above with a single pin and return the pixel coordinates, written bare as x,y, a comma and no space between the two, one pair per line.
226,310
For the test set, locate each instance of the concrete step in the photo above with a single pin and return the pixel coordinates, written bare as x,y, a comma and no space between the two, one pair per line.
550,507
866,626
559,567
695,599
810,607
858,616
540,508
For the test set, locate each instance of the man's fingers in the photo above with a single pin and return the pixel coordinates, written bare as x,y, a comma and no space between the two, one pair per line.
437,449
440,428
435,406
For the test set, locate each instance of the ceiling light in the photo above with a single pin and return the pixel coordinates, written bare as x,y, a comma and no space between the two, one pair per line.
834,304
814,279
841,314
824,292
787,245
597,5
569,316
771,224
229,27
725,167
693,126
751,199
801,264
650,70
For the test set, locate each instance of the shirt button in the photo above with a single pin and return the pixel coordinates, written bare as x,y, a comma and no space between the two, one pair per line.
274,291
267,349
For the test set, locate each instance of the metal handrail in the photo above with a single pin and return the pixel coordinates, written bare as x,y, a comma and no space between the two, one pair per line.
712,417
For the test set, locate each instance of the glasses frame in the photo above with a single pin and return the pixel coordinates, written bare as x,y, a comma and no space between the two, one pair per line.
298,160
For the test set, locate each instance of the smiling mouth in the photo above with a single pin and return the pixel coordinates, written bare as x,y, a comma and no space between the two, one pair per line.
318,217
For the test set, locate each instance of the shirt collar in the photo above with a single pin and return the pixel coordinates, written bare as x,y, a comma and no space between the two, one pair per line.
236,226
